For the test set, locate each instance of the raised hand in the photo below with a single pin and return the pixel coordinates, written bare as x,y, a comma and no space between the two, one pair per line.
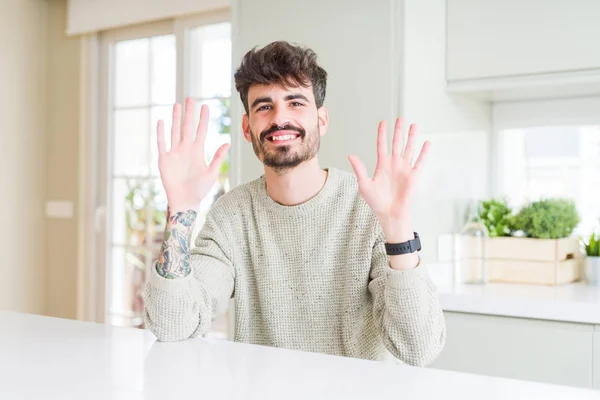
187,180
183,170
389,192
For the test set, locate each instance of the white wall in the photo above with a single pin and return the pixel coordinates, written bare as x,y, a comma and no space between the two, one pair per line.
86,16
558,111
459,128
22,115
354,41
63,115
384,59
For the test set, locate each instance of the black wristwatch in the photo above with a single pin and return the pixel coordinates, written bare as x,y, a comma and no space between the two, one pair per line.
393,249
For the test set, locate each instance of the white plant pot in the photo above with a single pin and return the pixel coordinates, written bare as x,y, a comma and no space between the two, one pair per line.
592,270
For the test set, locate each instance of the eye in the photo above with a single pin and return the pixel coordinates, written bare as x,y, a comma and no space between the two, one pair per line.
296,104
262,108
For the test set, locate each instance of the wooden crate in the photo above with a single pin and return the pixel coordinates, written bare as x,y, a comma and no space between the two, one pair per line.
524,260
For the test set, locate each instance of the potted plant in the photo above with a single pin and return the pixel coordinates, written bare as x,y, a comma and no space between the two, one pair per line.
592,261
496,215
534,246
547,219
541,249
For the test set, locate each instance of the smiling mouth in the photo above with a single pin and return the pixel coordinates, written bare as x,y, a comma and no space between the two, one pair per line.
282,138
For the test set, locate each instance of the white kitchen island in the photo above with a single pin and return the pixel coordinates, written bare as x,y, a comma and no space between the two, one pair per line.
51,358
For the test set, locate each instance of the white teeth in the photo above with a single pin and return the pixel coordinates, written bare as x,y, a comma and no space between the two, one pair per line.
283,137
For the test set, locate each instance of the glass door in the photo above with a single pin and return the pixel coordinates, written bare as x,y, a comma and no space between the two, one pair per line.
147,70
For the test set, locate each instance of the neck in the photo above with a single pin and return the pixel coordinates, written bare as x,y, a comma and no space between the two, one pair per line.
297,185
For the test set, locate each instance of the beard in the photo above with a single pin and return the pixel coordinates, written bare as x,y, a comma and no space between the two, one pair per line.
286,156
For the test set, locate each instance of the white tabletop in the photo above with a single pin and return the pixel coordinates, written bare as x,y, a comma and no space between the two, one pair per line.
575,302
50,358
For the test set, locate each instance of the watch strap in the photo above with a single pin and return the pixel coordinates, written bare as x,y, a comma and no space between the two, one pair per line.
410,246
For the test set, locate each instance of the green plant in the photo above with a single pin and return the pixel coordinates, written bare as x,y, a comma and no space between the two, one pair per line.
224,121
224,118
145,214
496,216
548,218
224,171
592,247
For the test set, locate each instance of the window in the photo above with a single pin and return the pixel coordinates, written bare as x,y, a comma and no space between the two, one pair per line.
147,69
553,161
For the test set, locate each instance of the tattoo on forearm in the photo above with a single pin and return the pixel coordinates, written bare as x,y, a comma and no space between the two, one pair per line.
173,261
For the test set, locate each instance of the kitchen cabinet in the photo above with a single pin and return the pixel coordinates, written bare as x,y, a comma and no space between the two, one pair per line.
546,48
507,38
596,355
521,348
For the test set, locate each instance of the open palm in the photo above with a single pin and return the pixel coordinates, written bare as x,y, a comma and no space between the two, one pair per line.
390,190
186,177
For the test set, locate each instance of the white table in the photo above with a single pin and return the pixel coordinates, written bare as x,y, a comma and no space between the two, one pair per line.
42,357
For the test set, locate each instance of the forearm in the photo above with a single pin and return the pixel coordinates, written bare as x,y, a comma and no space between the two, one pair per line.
179,308
411,319
173,309
173,261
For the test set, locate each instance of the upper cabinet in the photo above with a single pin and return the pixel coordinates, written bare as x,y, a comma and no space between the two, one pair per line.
505,45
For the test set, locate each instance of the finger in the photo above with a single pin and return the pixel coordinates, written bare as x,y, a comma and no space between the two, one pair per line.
359,169
382,140
398,140
381,146
410,143
422,156
215,164
186,132
160,137
202,126
176,125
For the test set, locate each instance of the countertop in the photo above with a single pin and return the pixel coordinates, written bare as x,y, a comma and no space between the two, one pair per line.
51,358
574,302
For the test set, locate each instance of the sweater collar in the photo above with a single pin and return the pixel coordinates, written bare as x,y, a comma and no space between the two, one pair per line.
314,202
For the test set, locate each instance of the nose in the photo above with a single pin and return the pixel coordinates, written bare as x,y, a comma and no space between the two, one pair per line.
280,117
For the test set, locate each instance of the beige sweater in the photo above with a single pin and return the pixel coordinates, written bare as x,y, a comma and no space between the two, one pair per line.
312,277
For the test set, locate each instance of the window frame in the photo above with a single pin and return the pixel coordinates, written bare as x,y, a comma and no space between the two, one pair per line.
99,111
530,114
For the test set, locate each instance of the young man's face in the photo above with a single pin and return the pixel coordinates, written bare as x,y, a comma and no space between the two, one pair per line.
283,125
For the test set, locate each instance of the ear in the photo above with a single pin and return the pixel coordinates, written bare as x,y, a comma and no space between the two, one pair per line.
323,116
246,127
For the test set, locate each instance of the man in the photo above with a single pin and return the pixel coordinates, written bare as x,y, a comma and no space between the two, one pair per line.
316,259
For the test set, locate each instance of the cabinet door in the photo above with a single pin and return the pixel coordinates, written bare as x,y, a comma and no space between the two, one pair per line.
535,350
521,37
596,368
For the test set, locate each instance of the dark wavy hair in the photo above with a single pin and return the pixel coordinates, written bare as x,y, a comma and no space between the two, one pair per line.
284,64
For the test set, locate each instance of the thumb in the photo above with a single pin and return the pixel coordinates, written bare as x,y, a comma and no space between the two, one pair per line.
359,168
215,164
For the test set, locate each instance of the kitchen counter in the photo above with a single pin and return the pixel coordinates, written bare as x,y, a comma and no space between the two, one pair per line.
576,302
50,358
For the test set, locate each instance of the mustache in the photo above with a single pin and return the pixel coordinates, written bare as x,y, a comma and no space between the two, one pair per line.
286,127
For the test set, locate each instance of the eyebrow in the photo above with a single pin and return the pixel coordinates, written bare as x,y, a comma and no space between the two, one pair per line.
268,99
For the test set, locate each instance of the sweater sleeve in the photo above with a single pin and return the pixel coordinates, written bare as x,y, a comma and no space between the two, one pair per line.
176,309
406,310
